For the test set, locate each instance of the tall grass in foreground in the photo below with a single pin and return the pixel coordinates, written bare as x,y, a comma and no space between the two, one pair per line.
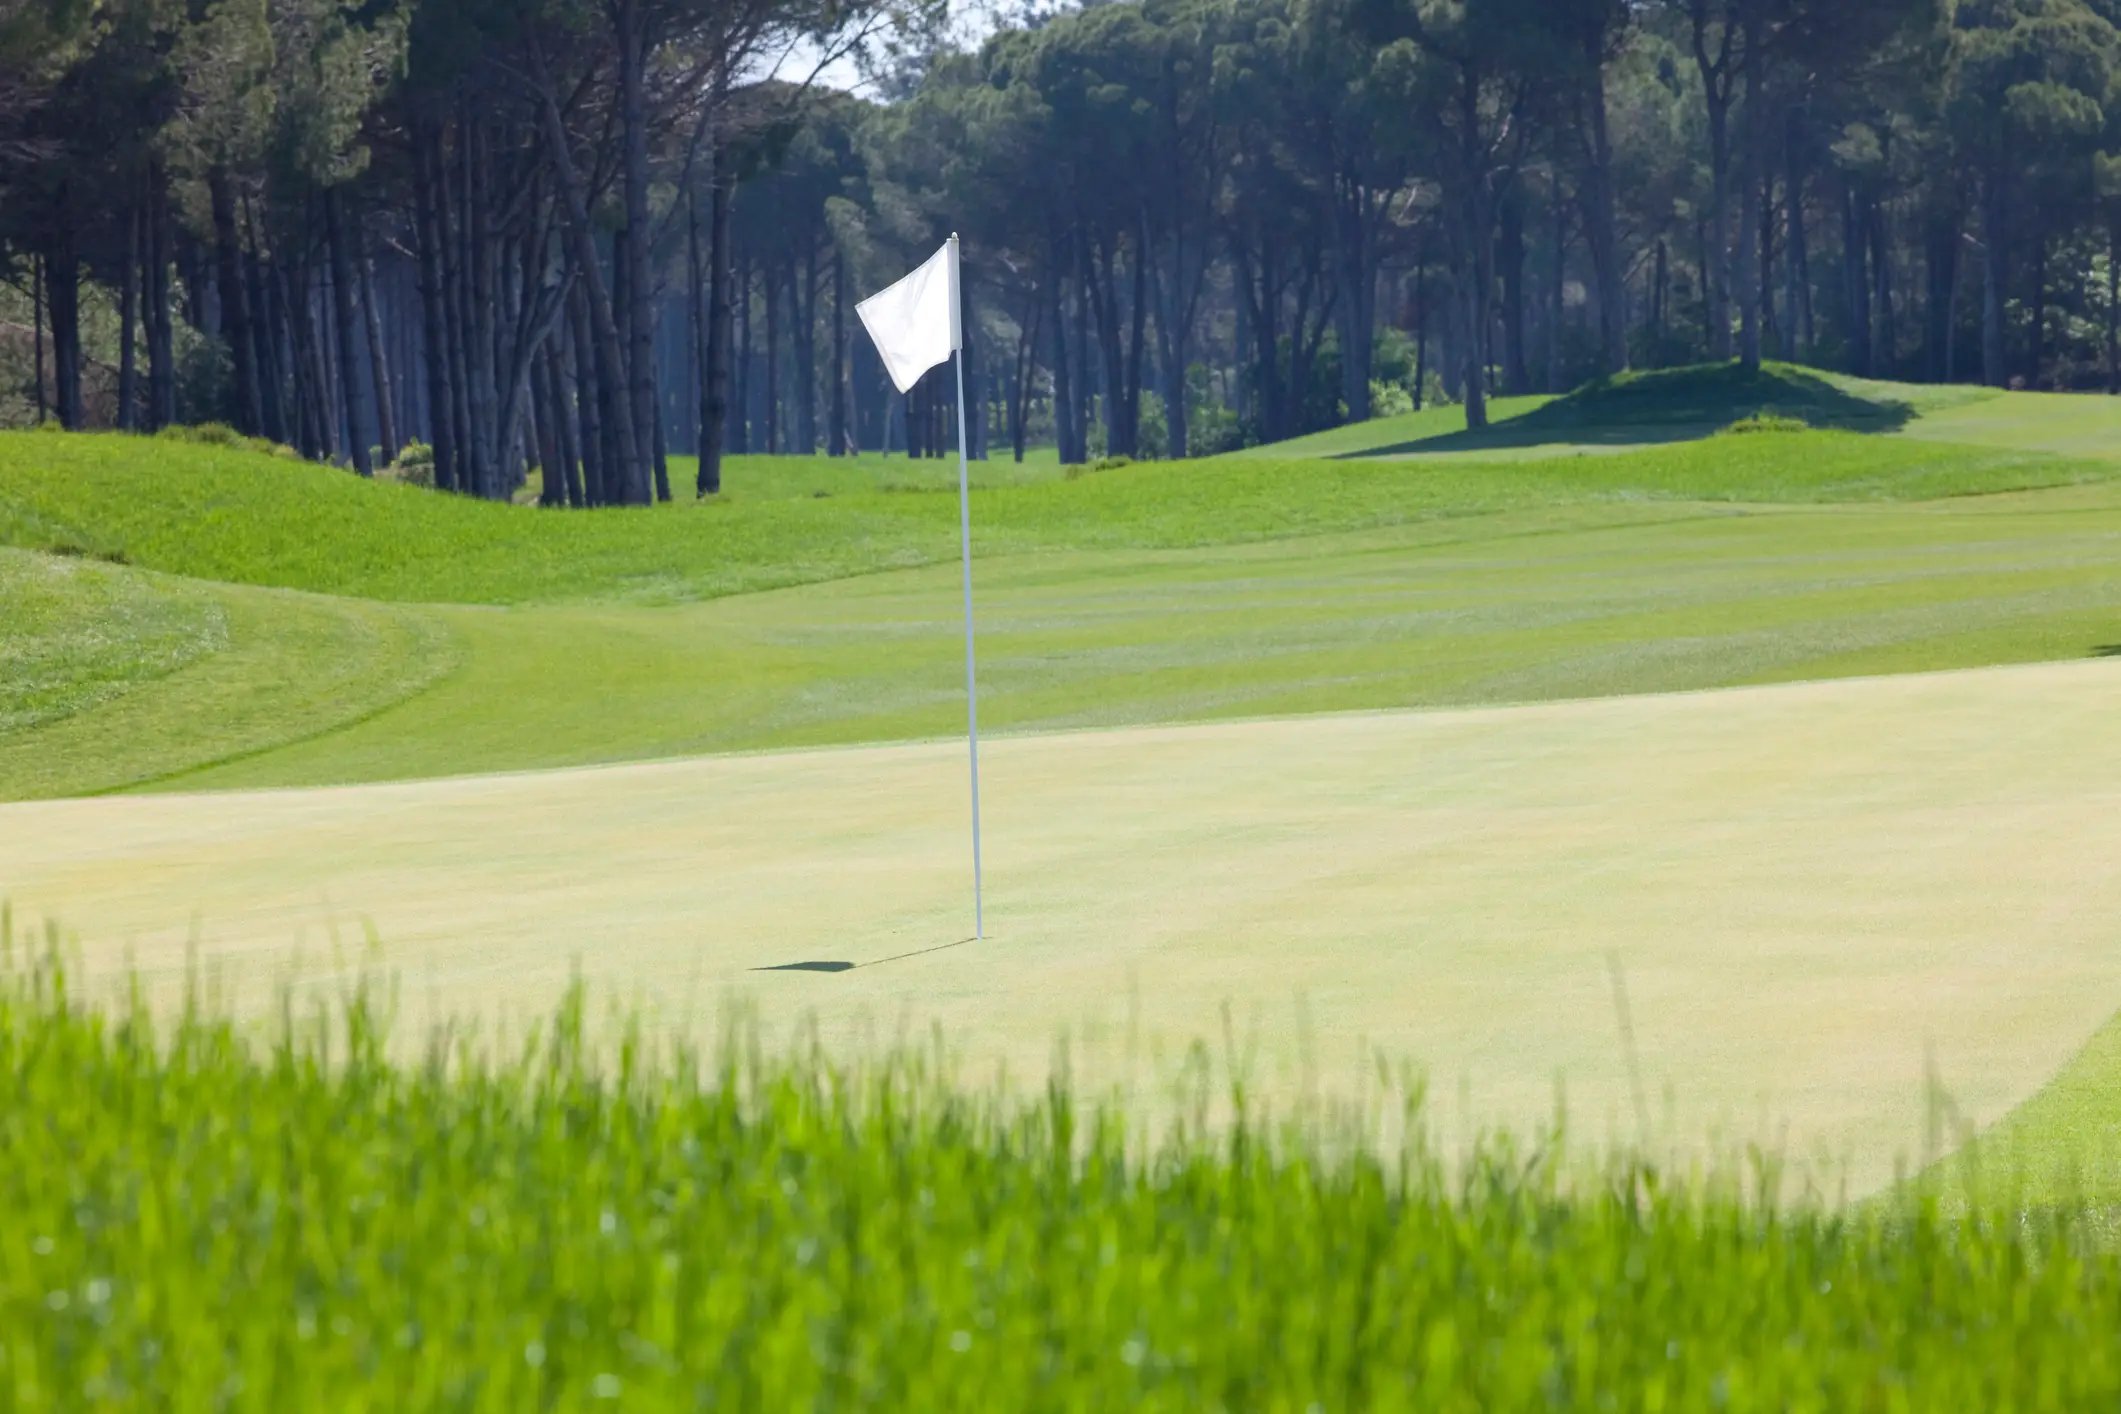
193,1220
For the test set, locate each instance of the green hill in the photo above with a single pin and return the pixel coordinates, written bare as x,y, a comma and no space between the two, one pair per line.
225,618
239,517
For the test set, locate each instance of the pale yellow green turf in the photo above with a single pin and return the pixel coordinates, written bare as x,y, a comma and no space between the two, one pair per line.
1815,893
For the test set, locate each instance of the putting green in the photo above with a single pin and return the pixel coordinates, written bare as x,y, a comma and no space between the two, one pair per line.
1814,891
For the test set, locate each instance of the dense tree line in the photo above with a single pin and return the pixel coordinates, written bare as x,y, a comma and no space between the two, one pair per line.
586,234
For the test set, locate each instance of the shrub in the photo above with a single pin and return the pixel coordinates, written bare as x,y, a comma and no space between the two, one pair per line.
208,434
414,466
1080,469
220,434
1766,420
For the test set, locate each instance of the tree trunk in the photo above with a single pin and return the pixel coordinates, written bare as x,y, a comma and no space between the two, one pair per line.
743,367
1716,246
342,298
323,426
560,385
1940,248
1856,284
1477,251
1885,339
1517,368
263,330
1557,296
544,415
128,313
836,424
696,312
63,291
2036,354
2113,309
457,323
1752,261
633,110
714,374
604,328
1473,297
1601,230
1066,432
776,429
596,479
1797,297
235,306
161,331
1995,272
806,353
430,235
36,317
490,433
1174,336
1136,353
378,355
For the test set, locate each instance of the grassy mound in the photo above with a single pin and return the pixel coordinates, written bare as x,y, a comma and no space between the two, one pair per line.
1678,404
191,1216
79,633
1686,404
1717,395
112,677
235,516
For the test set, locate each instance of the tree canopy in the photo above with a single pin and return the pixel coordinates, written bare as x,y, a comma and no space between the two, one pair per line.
580,236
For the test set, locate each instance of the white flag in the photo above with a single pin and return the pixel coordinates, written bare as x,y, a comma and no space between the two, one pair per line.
914,322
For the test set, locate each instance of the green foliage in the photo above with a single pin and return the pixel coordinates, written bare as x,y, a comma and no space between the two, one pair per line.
1764,421
194,1217
414,465
220,434
206,434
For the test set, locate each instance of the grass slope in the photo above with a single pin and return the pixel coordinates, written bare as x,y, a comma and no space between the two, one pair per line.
79,633
197,1222
124,678
235,516
1529,605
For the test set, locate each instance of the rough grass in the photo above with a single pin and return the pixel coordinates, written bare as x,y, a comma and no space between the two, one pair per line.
197,1221
79,633
253,670
1526,606
783,478
2060,1149
234,516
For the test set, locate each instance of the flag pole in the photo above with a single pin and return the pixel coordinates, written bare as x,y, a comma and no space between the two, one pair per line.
964,525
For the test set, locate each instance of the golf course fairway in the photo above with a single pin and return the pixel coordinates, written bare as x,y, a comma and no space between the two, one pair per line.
1816,897
1779,734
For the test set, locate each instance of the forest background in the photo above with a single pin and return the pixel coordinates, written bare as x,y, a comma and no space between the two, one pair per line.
498,244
